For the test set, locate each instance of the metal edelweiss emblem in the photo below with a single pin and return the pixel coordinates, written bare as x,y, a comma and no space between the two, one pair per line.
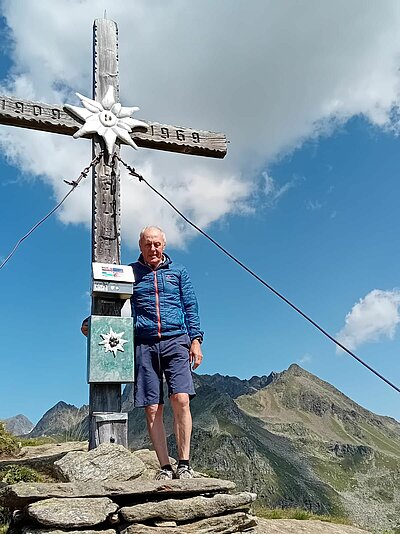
113,342
107,118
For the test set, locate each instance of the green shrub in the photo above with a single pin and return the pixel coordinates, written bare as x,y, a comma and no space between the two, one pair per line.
5,518
19,473
8,443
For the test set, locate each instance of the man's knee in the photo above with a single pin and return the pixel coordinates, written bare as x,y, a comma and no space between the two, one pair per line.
180,401
153,410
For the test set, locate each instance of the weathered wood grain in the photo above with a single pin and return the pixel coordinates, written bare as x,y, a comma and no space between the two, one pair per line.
111,428
106,221
55,119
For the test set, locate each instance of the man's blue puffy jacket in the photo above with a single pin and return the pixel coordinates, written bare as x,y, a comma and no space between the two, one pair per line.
163,302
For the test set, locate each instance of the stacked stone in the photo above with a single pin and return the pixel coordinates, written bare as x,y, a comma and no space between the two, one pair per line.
133,507
98,504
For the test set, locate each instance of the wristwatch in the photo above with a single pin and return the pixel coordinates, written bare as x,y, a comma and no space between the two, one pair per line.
199,339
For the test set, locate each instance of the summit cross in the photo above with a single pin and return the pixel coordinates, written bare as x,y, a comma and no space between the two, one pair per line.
106,237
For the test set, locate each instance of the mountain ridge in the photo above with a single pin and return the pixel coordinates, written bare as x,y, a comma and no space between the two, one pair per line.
291,437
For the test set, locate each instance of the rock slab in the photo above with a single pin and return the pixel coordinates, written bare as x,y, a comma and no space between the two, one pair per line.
106,462
23,493
187,509
227,524
71,513
33,530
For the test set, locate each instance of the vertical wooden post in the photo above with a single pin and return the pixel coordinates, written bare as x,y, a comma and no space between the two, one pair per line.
106,185
106,233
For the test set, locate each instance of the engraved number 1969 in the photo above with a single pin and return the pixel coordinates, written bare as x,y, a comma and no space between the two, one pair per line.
180,135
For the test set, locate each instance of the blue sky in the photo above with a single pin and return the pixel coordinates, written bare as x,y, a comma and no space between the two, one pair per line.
307,196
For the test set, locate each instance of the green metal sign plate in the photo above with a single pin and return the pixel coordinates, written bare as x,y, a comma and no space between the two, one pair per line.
110,350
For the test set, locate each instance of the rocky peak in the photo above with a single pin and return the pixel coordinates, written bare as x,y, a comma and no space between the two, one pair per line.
60,420
18,425
233,386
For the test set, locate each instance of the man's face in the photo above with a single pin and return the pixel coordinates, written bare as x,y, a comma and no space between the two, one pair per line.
152,246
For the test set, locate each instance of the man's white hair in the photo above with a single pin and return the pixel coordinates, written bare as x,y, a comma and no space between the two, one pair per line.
153,228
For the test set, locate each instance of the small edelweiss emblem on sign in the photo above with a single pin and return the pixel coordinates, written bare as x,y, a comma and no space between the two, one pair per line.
107,118
113,342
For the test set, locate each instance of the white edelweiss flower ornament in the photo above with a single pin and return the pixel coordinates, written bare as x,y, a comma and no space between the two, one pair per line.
113,342
107,118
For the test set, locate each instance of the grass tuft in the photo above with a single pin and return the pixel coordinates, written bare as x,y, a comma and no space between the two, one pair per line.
34,442
298,513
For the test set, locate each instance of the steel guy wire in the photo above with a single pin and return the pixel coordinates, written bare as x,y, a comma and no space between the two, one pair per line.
74,184
133,172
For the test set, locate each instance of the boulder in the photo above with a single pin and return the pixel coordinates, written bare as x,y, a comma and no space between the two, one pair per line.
71,513
225,524
187,509
42,457
150,460
106,462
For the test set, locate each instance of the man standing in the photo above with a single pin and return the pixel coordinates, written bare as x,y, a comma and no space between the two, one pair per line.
167,344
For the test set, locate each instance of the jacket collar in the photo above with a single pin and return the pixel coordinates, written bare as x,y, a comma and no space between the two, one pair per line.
164,263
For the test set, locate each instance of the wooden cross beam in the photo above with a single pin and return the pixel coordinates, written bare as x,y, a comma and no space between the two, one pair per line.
106,246
56,119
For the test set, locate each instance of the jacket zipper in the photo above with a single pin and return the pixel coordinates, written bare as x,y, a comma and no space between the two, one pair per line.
157,304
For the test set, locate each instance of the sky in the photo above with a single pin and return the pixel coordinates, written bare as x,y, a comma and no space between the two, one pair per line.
308,95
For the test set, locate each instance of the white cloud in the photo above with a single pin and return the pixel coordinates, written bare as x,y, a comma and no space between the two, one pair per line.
269,74
306,358
375,316
273,191
197,194
313,205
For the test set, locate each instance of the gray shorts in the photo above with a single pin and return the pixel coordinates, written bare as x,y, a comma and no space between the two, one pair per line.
157,358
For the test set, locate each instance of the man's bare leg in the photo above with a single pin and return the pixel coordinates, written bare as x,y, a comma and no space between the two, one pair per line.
182,423
155,427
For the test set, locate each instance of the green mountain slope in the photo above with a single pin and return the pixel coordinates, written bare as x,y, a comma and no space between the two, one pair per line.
353,450
292,438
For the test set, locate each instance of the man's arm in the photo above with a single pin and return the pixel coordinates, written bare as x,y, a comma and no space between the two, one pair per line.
192,319
190,307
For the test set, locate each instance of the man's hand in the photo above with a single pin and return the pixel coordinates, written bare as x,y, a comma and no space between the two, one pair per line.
85,327
195,354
